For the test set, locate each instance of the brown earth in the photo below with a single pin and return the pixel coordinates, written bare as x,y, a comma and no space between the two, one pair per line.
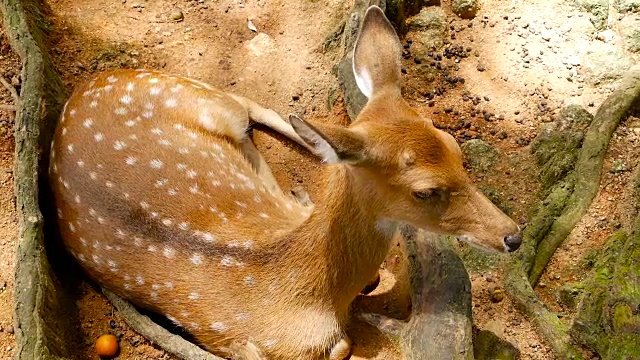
279,67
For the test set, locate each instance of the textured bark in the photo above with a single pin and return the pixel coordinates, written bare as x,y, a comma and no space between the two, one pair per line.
440,326
43,314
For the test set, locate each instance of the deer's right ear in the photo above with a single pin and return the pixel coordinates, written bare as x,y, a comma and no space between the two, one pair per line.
334,144
377,53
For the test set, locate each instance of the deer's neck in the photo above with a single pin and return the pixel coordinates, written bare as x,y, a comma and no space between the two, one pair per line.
343,237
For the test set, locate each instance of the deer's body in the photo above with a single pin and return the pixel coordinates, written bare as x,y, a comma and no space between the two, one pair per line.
159,203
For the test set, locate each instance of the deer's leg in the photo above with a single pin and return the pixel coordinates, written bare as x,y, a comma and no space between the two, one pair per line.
252,154
272,120
371,285
341,350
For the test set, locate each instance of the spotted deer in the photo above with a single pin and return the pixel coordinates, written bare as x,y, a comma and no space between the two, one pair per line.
159,203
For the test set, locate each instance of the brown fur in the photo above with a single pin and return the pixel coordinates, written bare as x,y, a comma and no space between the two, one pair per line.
198,236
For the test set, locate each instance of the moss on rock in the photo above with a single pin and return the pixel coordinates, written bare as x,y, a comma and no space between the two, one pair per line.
557,147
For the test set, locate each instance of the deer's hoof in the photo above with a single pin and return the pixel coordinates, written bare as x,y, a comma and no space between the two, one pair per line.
341,350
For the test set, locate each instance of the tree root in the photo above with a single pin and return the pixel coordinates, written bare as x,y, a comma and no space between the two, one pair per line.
554,221
155,333
440,325
607,319
11,89
588,168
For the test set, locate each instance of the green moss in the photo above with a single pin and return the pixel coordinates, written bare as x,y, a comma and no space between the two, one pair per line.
557,147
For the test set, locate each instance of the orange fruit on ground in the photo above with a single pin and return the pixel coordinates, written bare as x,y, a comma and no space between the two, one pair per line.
107,345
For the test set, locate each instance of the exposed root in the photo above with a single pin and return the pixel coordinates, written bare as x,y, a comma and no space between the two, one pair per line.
588,168
554,221
12,90
155,333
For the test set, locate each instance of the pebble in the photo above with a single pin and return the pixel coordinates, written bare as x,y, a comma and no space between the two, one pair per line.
497,294
177,15
546,35
10,330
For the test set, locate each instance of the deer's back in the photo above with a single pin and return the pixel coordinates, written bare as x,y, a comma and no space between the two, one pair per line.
160,209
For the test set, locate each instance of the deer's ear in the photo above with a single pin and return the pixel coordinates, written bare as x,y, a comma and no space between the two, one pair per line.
376,56
334,144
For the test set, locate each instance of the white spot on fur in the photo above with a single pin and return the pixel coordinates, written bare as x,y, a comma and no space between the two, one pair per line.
156,131
109,184
270,343
194,296
121,111
129,123
99,137
70,148
196,259
164,142
154,91
218,326
130,160
147,114
183,226
161,182
111,79
88,123
171,103
167,222
156,163
242,316
168,285
119,145
153,80
172,192
249,281
126,99
183,151
169,253
130,86
152,248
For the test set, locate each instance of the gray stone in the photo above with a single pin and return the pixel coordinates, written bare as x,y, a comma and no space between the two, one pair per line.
431,23
466,9
398,11
625,6
557,146
598,10
488,346
605,64
354,99
480,155
633,40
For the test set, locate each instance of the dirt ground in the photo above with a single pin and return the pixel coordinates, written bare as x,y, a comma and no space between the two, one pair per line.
521,66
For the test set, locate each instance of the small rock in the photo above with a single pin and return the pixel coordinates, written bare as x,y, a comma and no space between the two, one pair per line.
176,15
481,67
480,155
605,36
605,65
10,330
624,6
546,35
466,9
497,294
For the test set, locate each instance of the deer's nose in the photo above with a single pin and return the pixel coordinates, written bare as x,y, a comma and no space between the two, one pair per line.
513,241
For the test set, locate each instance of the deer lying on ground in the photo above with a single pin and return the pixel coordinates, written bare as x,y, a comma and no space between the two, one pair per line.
160,204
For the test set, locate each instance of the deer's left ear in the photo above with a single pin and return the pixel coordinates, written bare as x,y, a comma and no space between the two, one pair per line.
377,53
334,144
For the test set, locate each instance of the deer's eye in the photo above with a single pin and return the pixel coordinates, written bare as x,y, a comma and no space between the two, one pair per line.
422,195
